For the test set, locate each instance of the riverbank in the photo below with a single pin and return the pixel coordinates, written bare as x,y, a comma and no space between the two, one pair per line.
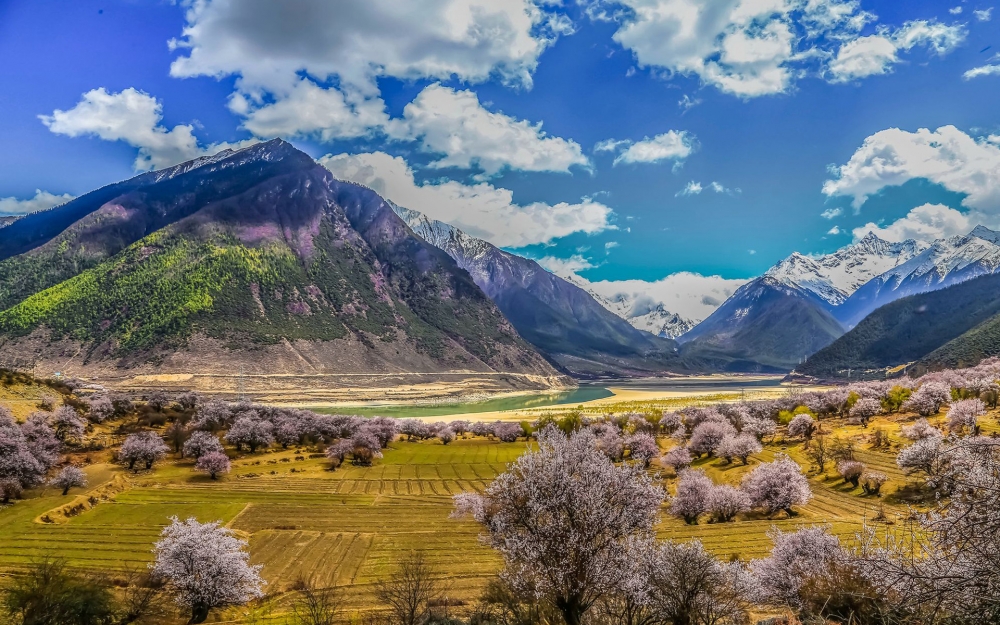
621,396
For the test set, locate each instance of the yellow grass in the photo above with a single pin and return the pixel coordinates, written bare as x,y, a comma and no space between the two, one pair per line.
348,527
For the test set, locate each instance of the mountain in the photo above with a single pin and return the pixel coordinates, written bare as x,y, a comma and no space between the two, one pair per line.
834,277
256,257
659,321
954,326
946,262
791,311
765,326
643,313
559,318
6,220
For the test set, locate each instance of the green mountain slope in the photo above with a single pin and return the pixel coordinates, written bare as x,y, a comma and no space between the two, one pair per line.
260,249
966,350
913,328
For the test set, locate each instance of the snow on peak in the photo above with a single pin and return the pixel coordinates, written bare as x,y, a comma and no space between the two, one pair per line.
960,257
833,277
641,311
984,233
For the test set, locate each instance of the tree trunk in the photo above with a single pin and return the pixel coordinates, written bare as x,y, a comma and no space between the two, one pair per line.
66,490
571,609
199,612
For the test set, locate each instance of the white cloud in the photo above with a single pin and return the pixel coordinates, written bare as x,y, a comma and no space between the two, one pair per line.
956,10
864,56
691,188
876,54
736,46
270,45
310,68
456,124
610,245
984,15
940,38
923,223
752,48
687,103
41,201
309,110
130,116
482,210
719,188
984,70
694,188
566,267
831,213
834,230
946,156
751,252
133,117
671,145
610,145
691,295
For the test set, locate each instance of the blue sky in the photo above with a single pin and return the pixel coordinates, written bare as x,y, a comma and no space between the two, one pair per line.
788,106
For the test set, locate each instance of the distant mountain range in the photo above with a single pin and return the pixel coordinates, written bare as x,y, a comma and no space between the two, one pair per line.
562,320
256,257
643,313
804,303
943,263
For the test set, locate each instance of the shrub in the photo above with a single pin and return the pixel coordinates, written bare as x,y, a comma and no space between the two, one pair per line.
851,471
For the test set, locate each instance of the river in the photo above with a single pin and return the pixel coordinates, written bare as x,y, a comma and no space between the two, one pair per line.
586,392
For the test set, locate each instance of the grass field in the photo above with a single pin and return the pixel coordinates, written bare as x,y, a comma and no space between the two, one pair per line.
348,527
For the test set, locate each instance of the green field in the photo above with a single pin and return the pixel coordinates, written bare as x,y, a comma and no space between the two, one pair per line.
348,527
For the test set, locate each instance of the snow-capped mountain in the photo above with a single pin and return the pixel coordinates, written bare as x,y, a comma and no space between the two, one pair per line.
834,277
643,313
556,316
945,262
661,322
766,325
804,302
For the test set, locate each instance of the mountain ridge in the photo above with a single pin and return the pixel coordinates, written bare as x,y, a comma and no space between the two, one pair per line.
251,253
553,314
834,292
925,328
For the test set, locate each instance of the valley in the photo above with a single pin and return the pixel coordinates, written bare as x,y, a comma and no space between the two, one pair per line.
347,527
499,312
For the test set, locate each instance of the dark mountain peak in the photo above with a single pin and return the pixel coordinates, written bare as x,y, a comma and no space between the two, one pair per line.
273,151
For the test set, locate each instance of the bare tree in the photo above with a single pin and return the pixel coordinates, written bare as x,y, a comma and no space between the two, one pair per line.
314,606
409,591
502,605
818,452
142,598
